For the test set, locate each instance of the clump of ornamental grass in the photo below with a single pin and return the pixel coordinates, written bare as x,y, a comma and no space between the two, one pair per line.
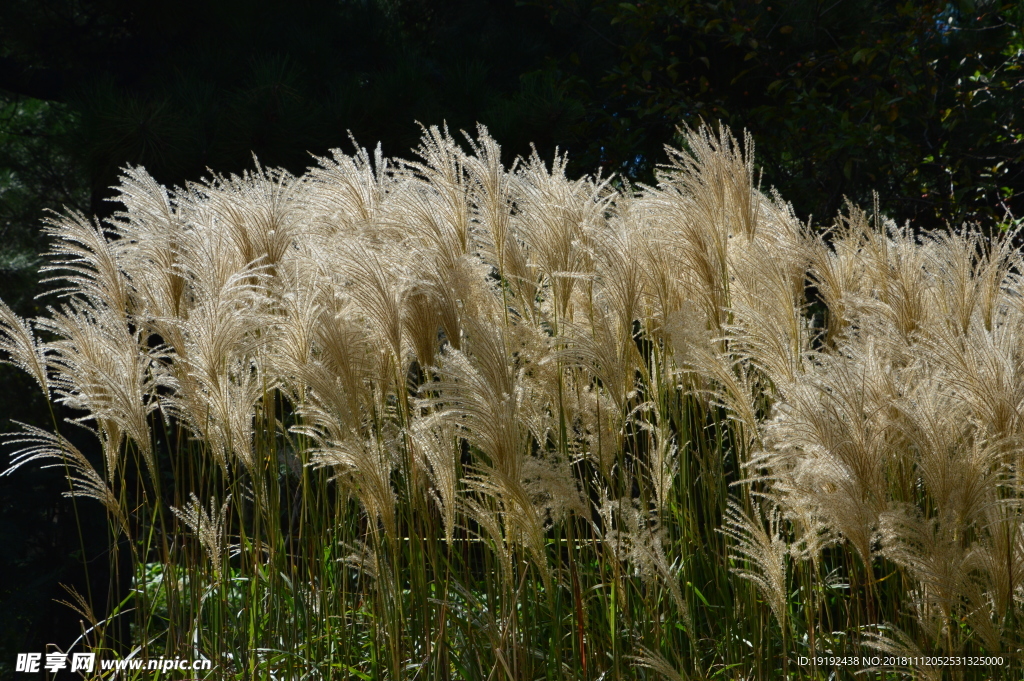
455,419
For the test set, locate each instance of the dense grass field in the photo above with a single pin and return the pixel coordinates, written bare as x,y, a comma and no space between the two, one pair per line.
453,419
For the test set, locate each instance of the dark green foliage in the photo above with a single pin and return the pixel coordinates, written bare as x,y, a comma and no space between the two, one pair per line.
919,102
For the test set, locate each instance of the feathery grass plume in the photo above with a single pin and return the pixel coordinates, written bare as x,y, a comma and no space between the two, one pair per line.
896,642
86,482
619,278
80,605
298,315
935,555
101,368
663,465
483,393
838,271
984,369
594,422
897,437
455,293
666,282
259,211
87,261
552,488
216,268
686,333
362,557
959,469
379,288
972,273
554,218
729,380
152,224
546,382
658,664
899,290
209,526
216,380
505,509
422,323
763,549
522,279
337,383
843,433
19,343
631,534
797,479
605,348
769,322
720,177
600,338
438,443
434,206
700,249
996,565
434,200
983,616
226,299
955,261
491,196
233,408
364,465
346,195
707,194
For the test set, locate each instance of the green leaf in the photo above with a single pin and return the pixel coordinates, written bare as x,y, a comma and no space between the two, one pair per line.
362,675
699,594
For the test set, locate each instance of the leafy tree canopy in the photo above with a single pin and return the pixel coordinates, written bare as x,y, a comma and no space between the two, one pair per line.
919,101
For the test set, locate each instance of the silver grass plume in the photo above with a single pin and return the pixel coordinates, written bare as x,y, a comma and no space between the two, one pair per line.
764,549
18,341
86,482
209,526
